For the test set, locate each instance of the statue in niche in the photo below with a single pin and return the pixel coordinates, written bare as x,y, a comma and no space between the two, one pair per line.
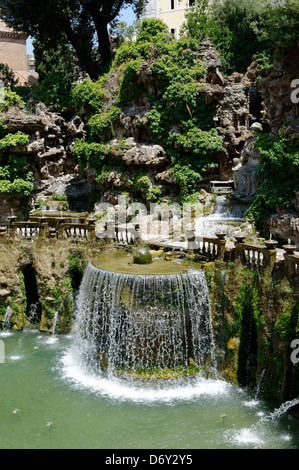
246,179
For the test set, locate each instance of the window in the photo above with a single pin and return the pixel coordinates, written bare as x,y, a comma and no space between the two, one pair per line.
172,31
191,3
172,4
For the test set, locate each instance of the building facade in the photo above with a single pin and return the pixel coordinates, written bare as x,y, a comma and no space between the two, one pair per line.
13,52
172,12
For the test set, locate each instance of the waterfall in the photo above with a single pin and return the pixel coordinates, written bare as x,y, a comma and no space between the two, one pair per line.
226,215
6,321
54,322
128,322
260,383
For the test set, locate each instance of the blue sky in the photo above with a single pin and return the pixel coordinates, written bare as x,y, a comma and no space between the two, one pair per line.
127,15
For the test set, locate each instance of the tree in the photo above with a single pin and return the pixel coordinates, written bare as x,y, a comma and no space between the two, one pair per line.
84,22
229,26
278,25
55,59
8,77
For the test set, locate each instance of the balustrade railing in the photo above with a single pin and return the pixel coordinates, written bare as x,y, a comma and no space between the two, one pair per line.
257,256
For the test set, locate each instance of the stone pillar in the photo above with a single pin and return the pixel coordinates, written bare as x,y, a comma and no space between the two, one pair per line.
220,244
61,231
44,231
239,240
13,231
91,231
269,253
110,231
289,263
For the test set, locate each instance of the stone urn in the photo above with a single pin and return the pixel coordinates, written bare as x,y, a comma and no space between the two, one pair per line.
240,238
270,244
221,235
289,249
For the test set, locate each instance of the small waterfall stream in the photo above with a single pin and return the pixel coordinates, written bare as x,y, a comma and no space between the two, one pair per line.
6,321
226,217
130,322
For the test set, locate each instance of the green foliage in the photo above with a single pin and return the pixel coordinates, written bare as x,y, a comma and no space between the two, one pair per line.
15,179
100,126
13,140
129,89
88,96
89,154
201,24
54,58
248,317
102,175
288,323
179,118
195,142
8,77
152,29
237,17
188,180
54,93
18,187
277,25
11,98
279,170
83,23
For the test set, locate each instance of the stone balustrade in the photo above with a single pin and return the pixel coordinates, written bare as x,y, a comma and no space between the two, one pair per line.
212,248
127,233
209,247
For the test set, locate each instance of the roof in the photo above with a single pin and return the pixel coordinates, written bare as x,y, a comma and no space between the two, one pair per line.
7,32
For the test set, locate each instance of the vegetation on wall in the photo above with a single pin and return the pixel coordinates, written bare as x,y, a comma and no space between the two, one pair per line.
178,119
15,176
279,170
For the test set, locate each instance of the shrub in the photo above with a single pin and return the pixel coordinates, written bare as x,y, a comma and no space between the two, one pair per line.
53,92
89,154
100,126
279,170
88,97
129,88
11,99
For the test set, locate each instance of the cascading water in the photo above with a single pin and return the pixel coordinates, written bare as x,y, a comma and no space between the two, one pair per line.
6,321
225,218
136,323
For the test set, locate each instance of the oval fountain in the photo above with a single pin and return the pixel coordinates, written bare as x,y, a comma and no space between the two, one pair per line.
138,323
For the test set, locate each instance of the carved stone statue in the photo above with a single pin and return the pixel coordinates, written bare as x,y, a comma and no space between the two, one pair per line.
246,179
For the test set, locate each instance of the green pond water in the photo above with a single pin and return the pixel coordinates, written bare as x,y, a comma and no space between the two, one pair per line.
41,379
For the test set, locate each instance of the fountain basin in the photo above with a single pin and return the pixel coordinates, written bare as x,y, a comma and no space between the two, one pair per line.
121,261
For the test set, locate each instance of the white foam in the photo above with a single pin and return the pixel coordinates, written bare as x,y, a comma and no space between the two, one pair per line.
15,358
5,334
116,389
246,436
251,403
